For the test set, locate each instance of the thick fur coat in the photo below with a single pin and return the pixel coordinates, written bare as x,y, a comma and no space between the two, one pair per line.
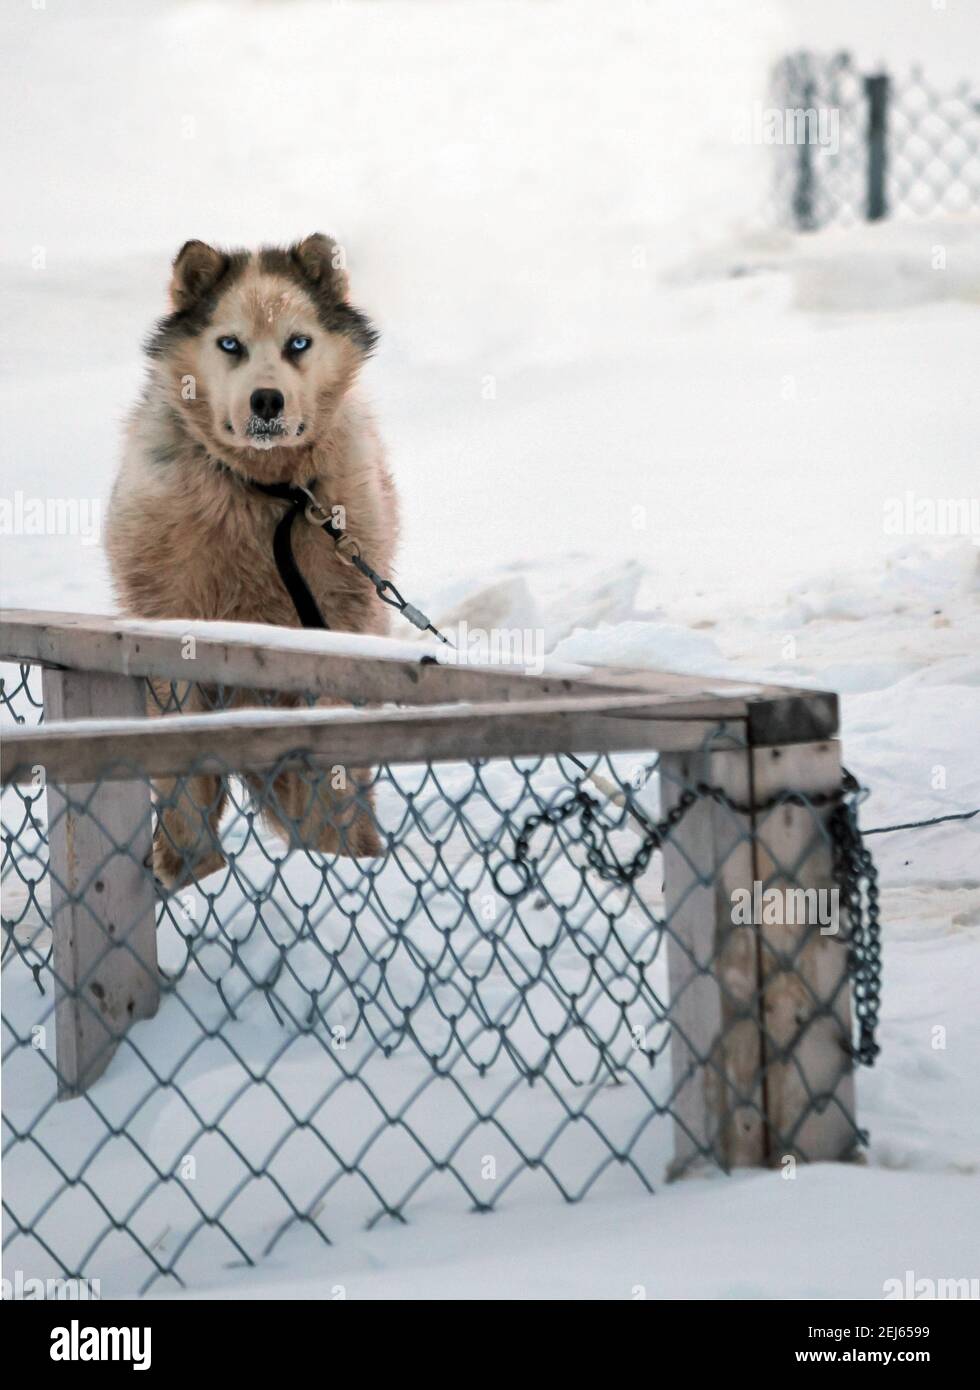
252,377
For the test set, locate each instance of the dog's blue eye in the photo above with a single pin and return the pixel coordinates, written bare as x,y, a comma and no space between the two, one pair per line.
229,345
298,344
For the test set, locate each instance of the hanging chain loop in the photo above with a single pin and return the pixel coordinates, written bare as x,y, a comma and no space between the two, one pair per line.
853,869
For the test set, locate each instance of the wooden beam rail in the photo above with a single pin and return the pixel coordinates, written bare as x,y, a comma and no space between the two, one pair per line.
366,671
117,749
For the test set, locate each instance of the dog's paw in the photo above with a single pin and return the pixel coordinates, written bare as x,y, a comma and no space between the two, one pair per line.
363,840
174,869
357,839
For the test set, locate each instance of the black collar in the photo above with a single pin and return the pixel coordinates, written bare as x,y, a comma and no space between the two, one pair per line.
283,492
302,499
307,609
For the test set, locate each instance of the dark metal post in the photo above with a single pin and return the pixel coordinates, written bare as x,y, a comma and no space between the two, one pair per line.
803,210
876,91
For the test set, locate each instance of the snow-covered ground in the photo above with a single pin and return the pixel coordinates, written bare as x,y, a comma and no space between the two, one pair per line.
621,414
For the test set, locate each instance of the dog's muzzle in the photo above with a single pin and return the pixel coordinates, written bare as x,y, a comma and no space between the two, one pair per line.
262,430
266,421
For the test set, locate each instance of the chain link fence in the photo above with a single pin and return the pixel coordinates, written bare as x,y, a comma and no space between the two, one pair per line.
853,146
481,1004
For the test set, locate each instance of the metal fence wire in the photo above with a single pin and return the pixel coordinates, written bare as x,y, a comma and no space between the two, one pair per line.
852,146
471,1015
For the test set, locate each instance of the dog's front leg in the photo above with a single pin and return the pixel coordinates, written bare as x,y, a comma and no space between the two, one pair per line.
330,811
186,847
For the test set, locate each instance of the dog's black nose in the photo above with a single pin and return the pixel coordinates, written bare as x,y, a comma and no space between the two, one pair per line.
267,404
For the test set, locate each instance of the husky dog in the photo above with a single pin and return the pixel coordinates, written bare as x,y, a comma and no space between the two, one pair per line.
251,382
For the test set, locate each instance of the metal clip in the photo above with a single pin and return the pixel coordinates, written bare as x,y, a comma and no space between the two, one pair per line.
312,507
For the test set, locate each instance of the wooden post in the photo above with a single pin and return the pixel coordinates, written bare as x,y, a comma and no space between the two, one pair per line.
102,897
760,1011
804,967
713,968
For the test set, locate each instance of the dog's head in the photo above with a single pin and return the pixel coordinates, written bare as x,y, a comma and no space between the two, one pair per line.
260,348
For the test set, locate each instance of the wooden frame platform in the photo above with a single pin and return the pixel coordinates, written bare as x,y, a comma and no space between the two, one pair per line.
759,1057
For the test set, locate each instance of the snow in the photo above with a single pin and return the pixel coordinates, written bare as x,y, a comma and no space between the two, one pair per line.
622,416
743,1238
347,644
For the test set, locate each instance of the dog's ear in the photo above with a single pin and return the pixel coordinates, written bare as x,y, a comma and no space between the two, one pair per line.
197,269
322,262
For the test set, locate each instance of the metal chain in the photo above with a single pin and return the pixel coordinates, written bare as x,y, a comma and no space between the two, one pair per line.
317,515
853,868
853,865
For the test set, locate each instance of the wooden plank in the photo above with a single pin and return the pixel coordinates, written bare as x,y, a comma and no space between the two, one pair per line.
680,685
337,665
358,670
259,739
806,993
102,902
800,718
713,968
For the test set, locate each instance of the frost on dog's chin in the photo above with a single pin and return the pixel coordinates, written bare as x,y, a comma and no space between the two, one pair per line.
262,436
